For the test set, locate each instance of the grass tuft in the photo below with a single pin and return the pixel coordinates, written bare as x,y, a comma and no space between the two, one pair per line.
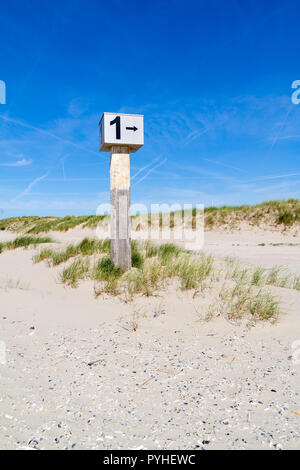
76,271
192,272
105,270
168,251
258,276
151,250
137,259
243,300
263,306
146,280
242,294
24,242
86,247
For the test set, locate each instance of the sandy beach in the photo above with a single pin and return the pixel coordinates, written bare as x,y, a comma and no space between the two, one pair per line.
149,228
105,373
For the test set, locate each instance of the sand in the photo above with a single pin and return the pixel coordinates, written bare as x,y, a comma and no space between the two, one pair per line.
86,373
278,249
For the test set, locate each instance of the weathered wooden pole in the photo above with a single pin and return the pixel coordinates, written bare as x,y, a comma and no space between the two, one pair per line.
120,134
120,245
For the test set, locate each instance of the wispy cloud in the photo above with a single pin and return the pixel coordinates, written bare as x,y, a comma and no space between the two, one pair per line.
45,133
29,187
195,134
74,204
18,163
288,137
223,164
272,177
150,171
144,168
275,187
280,129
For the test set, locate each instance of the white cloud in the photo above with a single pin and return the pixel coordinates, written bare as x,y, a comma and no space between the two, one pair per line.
18,163
76,107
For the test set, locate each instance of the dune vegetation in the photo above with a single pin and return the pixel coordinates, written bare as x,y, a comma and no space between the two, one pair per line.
280,215
36,225
24,242
271,214
235,290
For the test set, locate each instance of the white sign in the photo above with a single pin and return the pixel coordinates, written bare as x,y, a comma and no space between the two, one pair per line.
121,129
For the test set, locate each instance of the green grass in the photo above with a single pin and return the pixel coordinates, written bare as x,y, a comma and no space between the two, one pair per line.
192,272
263,306
36,225
86,247
278,213
258,276
280,244
64,224
273,277
170,262
151,266
287,217
244,290
109,274
147,280
105,270
150,249
24,242
244,301
278,276
17,224
77,270
282,213
167,252
137,259
296,282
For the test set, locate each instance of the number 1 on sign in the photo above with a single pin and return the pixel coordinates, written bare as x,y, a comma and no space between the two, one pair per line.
117,122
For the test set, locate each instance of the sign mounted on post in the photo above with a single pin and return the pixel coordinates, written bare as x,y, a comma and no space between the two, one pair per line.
121,129
120,134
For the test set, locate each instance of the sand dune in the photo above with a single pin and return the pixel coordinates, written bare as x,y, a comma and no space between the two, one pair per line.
82,372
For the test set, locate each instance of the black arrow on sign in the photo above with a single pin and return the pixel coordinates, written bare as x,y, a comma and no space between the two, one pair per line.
132,128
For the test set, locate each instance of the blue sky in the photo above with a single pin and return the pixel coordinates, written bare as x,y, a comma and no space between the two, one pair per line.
213,79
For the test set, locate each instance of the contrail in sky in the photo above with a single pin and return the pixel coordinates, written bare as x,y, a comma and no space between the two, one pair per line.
144,168
222,164
150,171
280,129
42,131
276,177
29,187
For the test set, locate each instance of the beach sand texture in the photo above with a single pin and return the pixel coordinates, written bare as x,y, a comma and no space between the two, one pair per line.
103,373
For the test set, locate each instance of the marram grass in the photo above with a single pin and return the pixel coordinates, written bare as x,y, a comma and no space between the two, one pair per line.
24,242
282,214
244,290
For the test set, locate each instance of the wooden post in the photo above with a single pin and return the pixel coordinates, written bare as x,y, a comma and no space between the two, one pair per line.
120,134
120,226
